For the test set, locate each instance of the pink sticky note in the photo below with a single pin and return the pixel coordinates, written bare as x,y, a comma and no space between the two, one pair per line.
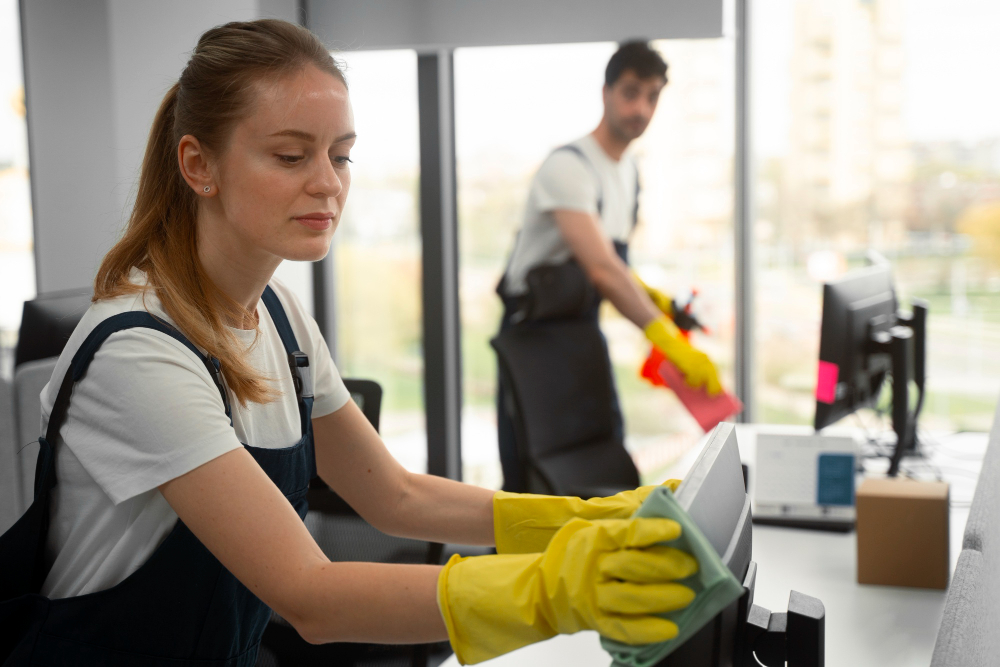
707,410
826,382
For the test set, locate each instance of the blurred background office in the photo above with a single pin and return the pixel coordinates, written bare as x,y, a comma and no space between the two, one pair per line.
873,124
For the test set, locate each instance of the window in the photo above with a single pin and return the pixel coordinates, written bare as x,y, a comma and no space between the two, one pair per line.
873,129
377,249
17,261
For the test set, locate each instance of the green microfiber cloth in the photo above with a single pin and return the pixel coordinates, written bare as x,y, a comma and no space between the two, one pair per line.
714,585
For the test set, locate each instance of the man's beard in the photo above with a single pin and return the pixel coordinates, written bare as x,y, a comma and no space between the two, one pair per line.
624,132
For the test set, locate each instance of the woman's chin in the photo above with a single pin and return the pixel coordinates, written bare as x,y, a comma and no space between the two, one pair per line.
308,252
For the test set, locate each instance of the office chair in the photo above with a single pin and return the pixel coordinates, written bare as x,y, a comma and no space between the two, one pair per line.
560,404
47,321
344,536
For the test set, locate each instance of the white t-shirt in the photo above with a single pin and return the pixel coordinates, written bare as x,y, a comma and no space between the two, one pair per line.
147,411
566,182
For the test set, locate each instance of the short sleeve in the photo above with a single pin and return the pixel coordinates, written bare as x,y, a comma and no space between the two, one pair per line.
565,182
146,412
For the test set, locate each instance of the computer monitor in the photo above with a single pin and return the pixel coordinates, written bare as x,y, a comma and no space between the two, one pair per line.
47,322
863,340
714,494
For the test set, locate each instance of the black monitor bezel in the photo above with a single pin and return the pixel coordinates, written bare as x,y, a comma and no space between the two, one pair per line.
855,306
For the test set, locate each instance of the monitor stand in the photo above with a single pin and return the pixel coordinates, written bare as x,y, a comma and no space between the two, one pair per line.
906,344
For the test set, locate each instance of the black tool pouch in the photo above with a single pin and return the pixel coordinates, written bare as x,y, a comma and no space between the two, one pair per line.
556,292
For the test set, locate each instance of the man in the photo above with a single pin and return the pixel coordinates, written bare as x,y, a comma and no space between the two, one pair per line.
581,210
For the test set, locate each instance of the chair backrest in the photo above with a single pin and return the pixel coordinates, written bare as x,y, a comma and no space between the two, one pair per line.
368,395
968,637
48,321
29,380
560,402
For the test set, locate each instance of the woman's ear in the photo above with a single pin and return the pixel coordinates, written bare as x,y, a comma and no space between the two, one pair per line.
195,168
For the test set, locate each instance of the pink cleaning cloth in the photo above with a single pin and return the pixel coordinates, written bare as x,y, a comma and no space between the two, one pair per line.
707,410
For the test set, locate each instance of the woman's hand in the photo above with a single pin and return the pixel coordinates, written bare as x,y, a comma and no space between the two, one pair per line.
609,575
524,522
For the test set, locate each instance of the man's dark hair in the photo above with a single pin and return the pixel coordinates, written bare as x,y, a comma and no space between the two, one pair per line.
637,56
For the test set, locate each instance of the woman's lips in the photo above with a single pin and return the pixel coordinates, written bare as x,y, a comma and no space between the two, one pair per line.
319,222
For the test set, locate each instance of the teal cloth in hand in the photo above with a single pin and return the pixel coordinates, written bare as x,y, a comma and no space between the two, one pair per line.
714,585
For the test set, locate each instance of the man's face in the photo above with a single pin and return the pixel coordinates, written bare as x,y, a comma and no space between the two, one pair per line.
629,104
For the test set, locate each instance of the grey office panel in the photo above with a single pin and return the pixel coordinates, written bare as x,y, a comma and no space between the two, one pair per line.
10,488
967,637
429,25
29,380
982,529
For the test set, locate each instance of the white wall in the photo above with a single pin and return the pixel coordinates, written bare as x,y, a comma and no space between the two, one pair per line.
95,73
431,24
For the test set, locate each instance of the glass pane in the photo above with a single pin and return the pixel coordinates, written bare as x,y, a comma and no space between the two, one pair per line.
377,248
17,260
873,130
516,104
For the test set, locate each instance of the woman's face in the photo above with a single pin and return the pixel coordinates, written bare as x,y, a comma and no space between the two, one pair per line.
284,177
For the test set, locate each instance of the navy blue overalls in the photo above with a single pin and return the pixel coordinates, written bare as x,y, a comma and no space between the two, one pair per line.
506,438
181,606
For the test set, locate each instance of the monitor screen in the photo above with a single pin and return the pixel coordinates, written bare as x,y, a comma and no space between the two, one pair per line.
856,306
714,494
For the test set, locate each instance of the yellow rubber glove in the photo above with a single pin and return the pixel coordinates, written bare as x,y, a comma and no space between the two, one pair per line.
608,575
660,299
525,522
697,368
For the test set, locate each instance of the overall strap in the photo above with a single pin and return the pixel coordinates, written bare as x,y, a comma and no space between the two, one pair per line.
85,354
298,361
638,189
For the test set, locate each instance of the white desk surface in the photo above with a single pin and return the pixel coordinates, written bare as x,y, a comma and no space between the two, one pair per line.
866,626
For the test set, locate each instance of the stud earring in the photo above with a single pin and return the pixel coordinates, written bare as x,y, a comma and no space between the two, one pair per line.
208,188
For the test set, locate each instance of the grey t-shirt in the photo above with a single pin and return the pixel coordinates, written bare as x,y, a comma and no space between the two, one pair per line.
566,182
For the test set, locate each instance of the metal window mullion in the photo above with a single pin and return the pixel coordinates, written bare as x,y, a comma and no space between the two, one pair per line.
439,237
743,218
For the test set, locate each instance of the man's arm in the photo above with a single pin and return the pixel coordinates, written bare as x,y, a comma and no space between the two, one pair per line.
604,267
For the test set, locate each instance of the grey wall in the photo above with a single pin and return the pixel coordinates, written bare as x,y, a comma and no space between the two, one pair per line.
95,73
427,25
71,137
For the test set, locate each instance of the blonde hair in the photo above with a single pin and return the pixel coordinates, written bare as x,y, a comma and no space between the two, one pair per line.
215,91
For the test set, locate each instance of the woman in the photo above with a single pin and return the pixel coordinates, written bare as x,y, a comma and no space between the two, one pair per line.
197,388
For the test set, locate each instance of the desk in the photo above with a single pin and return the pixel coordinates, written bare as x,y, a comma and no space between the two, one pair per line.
866,626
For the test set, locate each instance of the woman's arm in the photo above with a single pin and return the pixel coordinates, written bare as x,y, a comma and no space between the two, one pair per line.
236,511
352,459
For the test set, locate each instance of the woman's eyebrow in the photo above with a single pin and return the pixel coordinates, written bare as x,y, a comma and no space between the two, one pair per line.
298,134
305,136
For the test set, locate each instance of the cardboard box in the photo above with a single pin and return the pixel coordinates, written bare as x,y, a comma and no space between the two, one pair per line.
902,529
